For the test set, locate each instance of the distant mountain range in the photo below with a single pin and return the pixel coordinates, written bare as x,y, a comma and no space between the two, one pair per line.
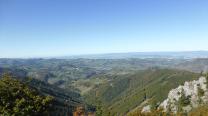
173,54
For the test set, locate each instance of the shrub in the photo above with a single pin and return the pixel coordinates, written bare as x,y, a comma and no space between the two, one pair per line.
184,100
200,92
16,98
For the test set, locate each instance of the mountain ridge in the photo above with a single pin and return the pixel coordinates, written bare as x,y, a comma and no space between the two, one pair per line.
156,54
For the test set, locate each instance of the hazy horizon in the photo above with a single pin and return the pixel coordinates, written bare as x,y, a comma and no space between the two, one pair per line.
111,53
50,28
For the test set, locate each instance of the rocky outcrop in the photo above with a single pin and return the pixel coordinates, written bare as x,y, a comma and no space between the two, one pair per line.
185,97
146,108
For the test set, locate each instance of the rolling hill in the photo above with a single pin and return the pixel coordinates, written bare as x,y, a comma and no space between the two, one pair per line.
65,101
120,85
123,93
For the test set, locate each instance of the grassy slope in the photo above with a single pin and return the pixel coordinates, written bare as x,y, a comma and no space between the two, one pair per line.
123,93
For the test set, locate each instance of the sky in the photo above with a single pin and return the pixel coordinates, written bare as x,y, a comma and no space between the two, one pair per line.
43,28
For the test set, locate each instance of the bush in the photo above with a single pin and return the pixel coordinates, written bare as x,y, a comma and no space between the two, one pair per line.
16,98
184,100
200,92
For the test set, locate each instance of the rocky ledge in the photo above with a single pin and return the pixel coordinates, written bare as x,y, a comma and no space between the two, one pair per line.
185,97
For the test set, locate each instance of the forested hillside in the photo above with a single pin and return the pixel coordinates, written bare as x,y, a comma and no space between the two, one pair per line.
112,86
63,101
61,72
121,94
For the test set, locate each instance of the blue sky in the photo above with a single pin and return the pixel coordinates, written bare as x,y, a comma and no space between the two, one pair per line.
39,28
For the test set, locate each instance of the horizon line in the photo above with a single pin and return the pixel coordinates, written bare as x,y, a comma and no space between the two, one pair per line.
90,54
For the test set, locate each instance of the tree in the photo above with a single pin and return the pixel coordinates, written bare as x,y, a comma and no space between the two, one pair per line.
145,95
18,99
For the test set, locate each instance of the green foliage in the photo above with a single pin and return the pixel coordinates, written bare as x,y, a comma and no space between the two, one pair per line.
61,71
124,89
153,104
17,98
99,110
126,92
183,101
200,92
145,95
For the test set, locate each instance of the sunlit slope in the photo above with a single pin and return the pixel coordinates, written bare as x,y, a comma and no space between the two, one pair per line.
123,93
